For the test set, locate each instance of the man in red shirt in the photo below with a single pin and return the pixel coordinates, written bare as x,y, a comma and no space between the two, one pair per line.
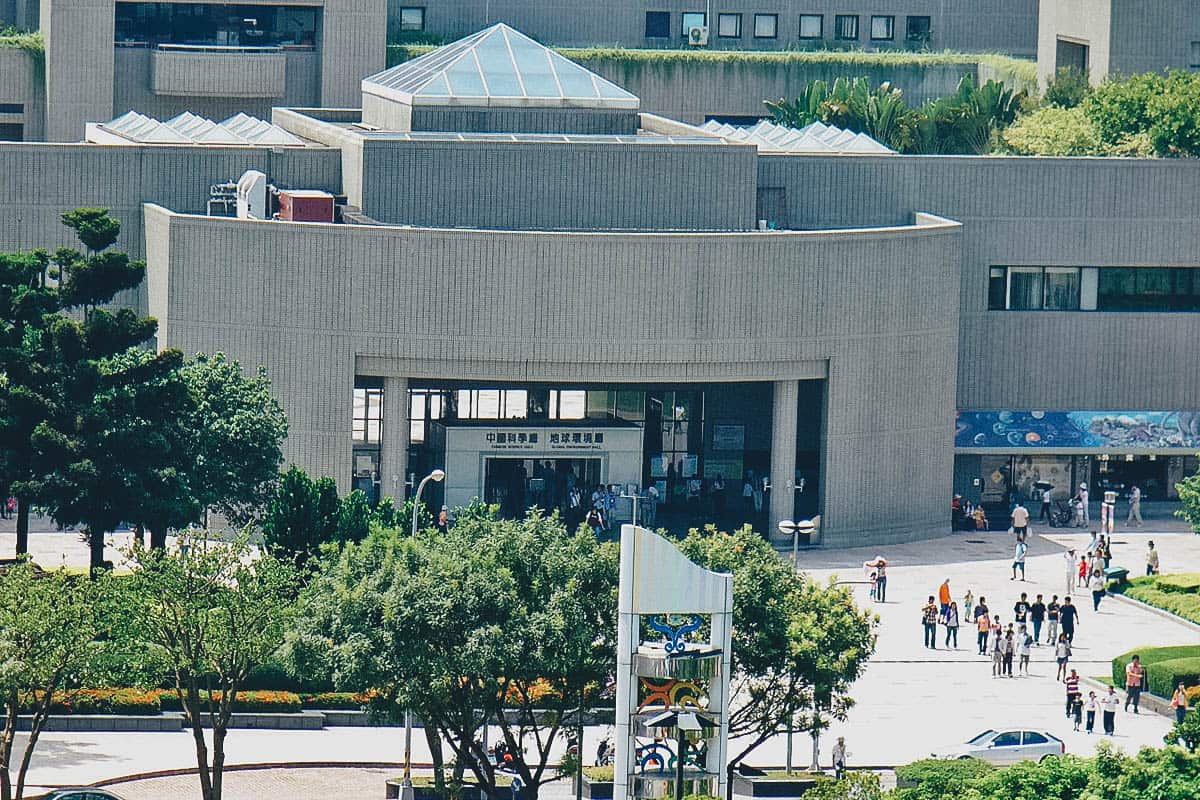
1134,680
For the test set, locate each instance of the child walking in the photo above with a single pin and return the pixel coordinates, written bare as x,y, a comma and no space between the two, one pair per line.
1062,653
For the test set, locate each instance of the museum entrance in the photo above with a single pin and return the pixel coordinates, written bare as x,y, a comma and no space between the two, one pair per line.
518,484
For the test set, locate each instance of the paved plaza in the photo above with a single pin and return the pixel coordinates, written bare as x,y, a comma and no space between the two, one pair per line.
911,700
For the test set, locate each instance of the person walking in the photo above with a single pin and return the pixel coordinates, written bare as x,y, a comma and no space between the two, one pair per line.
1068,616
1021,609
1069,556
1010,650
968,606
1019,558
1047,497
1020,520
839,758
1135,506
1072,683
1082,494
996,644
1093,705
1151,559
951,619
983,626
1108,511
1134,680
1062,654
880,566
1077,711
929,618
1037,615
1110,704
1179,703
944,597
1097,587
1052,617
1106,549
1084,570
1024,650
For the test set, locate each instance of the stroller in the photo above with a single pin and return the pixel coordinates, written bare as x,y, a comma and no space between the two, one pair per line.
1062,514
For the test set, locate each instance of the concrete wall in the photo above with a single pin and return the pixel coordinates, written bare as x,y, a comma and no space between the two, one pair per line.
551,186
1151,35
1038,211
353,45
1006,26
79,70
1087,22
21,82
311,301
38,182
696,90
133,89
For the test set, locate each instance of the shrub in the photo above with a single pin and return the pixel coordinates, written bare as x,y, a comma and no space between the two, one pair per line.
1053,131
599,774
1179,603
936,778
1183,582
852,786
1119,108
1175,122
337,701
245,702
1068,88
129,702
1151,656
1163,677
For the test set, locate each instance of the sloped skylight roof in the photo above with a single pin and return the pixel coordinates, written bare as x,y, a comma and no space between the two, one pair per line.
189,128
498,66
815,138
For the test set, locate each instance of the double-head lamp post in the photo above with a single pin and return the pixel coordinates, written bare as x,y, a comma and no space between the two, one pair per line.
406,786
795,528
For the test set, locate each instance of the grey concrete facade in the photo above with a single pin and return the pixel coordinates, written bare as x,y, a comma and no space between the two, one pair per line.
1005,26
21,84
415,303
1120,37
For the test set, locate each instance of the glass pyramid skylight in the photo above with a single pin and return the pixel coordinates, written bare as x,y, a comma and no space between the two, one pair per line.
498,66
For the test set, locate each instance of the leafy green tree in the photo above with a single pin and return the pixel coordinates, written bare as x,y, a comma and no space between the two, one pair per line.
1189,500
354,518
798,645
1186,732
329,509
496,615
1119,107
1053,131
1175,116
236,429
291,528
49,624
214,611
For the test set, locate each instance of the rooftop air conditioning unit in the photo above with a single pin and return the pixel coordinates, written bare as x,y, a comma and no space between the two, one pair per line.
252,195
698,36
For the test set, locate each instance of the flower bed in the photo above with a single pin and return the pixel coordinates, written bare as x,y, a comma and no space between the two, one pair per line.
244,703
337,701
125,702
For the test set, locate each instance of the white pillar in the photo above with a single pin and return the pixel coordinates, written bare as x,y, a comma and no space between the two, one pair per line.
627,684
393,457
785,407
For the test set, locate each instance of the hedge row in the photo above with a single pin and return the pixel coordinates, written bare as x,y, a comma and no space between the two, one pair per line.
1166,667
245,702
1179,603
126,702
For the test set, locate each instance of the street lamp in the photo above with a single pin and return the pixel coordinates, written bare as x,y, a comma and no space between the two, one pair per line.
795,529
406,785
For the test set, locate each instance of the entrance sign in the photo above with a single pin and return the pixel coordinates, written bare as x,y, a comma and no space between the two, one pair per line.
672,720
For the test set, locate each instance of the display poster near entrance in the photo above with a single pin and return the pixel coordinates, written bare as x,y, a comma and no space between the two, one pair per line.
729,437
1119,430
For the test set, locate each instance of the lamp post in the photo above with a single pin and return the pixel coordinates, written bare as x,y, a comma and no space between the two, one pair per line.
406,785
795,529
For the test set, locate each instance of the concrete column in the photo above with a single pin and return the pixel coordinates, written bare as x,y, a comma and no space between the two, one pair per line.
353,46
785,408
79,65
393,456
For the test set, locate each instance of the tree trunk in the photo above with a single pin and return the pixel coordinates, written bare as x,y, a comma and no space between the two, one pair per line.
158,538
39,721
434,739
11,710
218,760
22,525
192,708
96,549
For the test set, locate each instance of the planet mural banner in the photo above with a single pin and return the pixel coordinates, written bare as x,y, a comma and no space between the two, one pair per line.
1068,430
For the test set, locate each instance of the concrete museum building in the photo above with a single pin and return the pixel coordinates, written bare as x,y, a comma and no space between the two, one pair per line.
531,282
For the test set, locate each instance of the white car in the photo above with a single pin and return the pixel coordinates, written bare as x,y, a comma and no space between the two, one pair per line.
1007,747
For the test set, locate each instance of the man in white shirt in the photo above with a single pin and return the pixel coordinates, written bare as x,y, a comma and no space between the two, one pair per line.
1020,521
1047,498
839,758
1072,567
1110,704
1083,499
1135,507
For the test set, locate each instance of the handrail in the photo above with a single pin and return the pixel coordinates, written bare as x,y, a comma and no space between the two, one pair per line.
218,48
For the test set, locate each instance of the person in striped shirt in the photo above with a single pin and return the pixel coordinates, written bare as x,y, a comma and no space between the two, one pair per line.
1072,691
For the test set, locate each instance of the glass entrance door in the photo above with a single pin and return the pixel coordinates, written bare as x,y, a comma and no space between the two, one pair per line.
518,484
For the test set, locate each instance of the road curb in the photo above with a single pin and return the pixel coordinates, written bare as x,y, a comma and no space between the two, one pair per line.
1155,610
173,773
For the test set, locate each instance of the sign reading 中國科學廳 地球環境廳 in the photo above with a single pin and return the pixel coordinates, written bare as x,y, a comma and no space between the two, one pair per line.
542,440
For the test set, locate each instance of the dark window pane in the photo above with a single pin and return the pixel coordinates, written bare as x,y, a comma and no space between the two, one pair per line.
996,284
658,24
1025,288
1062,289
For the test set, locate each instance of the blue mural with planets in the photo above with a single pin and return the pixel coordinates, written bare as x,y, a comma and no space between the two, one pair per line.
1119,430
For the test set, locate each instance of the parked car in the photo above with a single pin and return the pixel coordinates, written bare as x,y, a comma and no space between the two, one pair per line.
1007,747
83,793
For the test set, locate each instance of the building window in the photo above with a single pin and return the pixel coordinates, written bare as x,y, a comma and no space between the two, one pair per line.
493,403
917,31
812,26
1060,289
694,19
845,27
729,26
424,406
658,24
766,26
1194,57
216,24
412,18
368,415
1148,289
883,28
1034,288
12,108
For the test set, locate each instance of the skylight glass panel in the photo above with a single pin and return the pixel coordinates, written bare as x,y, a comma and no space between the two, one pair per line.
534,67
496,64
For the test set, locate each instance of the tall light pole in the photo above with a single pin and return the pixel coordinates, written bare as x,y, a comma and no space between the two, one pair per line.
795,529
406,785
